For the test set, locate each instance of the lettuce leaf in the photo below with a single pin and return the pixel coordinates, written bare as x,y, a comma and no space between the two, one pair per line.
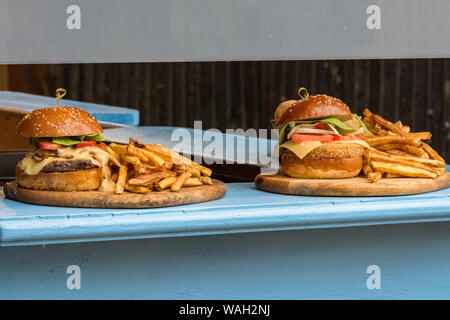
340,126
69,141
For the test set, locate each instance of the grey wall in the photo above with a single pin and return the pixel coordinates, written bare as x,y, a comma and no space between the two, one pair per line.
34,31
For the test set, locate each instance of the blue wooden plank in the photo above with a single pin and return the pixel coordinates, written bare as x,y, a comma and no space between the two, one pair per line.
28,102
301,264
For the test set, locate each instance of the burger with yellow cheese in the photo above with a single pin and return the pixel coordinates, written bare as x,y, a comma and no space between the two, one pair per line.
68,152
319,138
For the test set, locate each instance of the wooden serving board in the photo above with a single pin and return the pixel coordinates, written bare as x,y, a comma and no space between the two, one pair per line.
128,200
358,186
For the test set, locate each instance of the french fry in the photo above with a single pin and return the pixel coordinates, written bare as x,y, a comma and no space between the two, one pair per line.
154,158
165,183
136,189
399,153
375,129
413,150
137,143
162,152
377,141
206,180
167,165
388,125
390,146
204,171
146,179
118,148
130,159
176,186
392,175
134,151
432,153
425,164
146,169
430,162
169,174
368,114
192,182
406,129
420,135
367,169
121,179
374,176
402,169
180,167
196,173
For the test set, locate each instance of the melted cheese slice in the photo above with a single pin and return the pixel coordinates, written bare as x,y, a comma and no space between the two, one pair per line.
97,156
32,167
301,149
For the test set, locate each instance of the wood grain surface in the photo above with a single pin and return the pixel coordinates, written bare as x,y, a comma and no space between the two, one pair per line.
96,199
358,186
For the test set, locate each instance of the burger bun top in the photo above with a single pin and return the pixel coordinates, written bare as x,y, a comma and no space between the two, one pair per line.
311,107
58,122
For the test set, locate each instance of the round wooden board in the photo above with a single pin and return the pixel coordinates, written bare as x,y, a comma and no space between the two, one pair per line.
352,187
128,200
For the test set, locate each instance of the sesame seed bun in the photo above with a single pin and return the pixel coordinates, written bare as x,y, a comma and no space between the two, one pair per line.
58,122
311,107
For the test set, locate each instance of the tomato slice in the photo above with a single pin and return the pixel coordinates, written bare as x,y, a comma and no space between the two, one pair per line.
298,137
86,143
347,138
45,145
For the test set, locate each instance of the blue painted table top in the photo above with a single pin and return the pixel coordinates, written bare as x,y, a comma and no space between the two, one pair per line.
28,102
243,209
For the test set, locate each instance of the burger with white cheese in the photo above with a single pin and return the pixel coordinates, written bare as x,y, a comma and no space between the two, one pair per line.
319,138
68,152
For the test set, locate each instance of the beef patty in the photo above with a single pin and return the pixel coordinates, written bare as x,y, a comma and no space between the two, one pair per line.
68,165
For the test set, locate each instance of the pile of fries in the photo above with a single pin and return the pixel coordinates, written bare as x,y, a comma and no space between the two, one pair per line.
397,152
152,167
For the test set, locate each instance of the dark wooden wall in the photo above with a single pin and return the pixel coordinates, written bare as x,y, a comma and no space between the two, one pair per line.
245,94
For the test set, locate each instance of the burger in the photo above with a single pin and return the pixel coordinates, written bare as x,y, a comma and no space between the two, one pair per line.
69,153
319,138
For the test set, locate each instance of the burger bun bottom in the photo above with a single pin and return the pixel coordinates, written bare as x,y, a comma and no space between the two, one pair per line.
330,161
81,180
